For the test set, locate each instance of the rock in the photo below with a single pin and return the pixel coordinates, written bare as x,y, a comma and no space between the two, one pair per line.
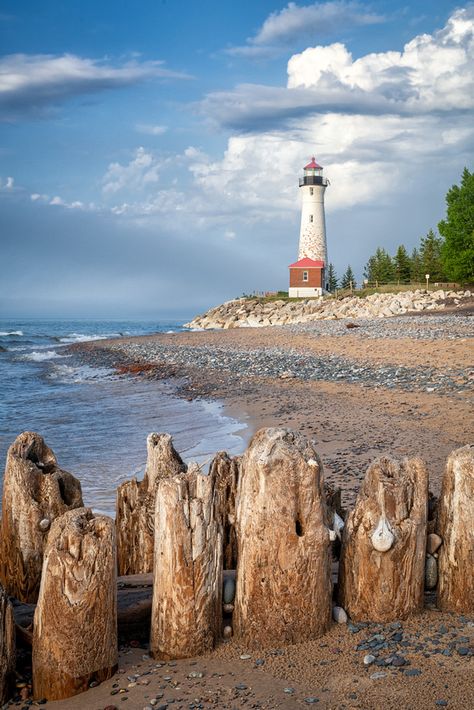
431,572
229,590
369,659
75,623
339,615
7,648
135,506
228,608
456,528
433,543
378,675
35,489
377,585
284,572
227,632
187,574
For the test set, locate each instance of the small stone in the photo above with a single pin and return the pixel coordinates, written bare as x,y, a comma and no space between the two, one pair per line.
463,651
228,608
259,662
441,703
227,632
339,615
245,657
195,674
311,700
289,691
369,659
412,672
431,572
378,675
44,524
94,684
229,590
433,543
241,686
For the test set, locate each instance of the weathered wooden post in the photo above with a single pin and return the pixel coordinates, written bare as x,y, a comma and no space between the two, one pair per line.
7,647
381,573
283,571
226,471
135,509
456,528
75,623
35,492
187,586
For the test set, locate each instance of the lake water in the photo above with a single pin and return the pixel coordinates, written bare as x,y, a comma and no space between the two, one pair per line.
95,421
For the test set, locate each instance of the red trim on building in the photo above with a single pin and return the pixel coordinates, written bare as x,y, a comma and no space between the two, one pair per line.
307,263
313,165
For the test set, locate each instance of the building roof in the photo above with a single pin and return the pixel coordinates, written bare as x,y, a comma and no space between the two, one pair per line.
307,263
313,165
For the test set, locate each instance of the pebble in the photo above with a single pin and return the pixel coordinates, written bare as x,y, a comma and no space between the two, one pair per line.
44,524
245,657
431,572
195,674
369,659
311,700
441,703
229,590
433,543
289,691
378,676
241,686
412,672
339,615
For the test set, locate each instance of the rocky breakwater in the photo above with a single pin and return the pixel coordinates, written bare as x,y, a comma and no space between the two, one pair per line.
257,313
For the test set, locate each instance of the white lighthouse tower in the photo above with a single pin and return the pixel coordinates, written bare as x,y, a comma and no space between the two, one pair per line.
308,274
313,243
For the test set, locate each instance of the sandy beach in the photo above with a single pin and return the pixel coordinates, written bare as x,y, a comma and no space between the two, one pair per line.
400,386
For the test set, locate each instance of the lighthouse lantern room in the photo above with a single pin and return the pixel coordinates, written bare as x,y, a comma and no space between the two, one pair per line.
308,274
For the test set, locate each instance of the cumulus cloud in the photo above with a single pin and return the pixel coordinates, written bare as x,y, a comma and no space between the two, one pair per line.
296,23
7,184
29,84
141,171
432,73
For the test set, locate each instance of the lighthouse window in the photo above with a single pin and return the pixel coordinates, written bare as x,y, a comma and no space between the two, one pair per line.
305,275
310,217
311,190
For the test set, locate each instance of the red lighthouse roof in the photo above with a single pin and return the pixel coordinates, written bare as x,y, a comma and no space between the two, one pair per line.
313,165
307,263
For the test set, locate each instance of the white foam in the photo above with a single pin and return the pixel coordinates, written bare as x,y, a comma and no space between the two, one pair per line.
82,373
42,356
82,338
12,332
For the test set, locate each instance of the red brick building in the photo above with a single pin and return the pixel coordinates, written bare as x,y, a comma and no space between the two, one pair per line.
306,278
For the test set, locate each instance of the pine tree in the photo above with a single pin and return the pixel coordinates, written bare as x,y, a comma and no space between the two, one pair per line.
401,263
458,230
332,278
379,267
416,267
348,278
430,256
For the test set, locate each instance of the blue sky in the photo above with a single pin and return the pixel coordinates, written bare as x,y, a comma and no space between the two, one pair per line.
150,152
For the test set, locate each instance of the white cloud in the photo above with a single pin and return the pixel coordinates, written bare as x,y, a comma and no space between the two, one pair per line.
9,184
30,83
151,129
298,22
140,172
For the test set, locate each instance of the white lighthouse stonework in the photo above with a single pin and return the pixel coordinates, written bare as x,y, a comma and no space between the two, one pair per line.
313,243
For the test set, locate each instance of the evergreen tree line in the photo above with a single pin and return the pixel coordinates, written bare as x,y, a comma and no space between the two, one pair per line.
449,257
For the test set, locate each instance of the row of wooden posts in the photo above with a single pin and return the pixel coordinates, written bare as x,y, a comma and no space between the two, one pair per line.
267,514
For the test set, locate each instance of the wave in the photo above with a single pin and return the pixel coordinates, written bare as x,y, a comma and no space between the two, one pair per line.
42,356
11,332
82,337
82,373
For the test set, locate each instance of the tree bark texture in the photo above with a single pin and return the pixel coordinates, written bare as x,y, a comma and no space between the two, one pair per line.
284,561
381,573
35,492
226,471
187,588
135,509
75,622
7,647
456,528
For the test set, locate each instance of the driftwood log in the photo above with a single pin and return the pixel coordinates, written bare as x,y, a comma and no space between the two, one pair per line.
284,562
35,492
135,508
456,528
7,647
381,573
187,588
75,623
226,471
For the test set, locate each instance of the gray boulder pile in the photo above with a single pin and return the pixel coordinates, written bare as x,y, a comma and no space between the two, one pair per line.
256,313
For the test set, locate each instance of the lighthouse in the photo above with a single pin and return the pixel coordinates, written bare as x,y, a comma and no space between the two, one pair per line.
308,274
